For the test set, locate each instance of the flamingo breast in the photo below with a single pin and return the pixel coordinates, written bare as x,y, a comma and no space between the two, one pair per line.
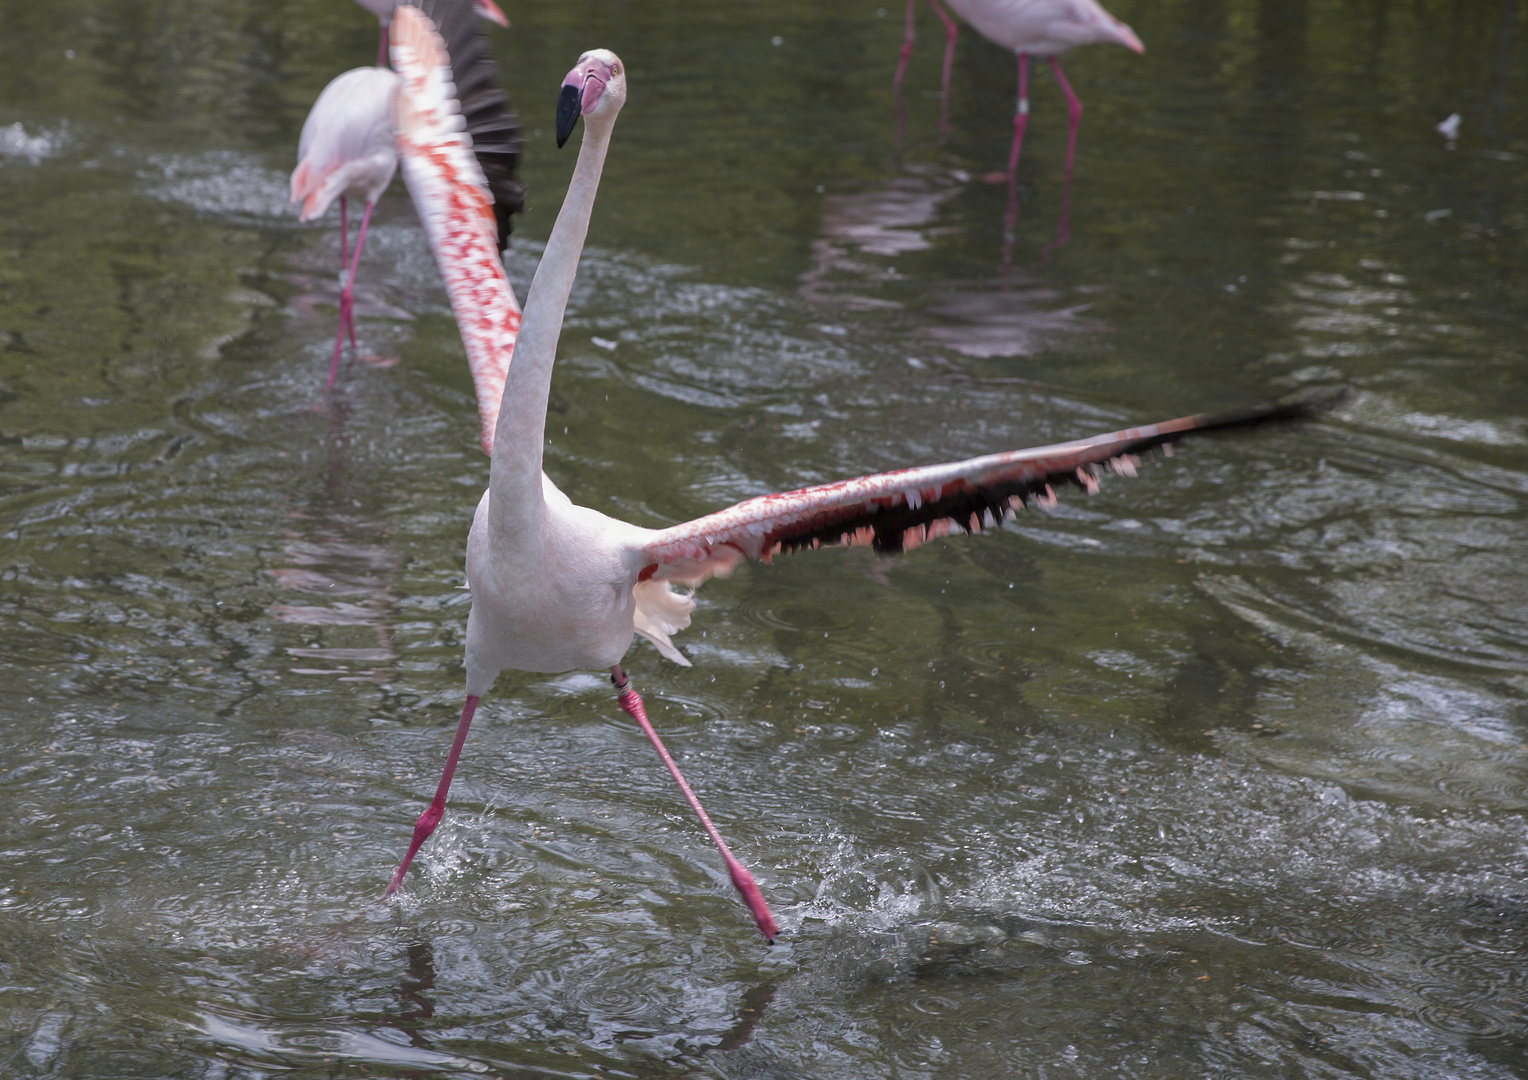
551,591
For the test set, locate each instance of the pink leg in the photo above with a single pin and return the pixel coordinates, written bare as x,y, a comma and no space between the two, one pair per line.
951,28
431,817
907,47
1020,117
1073,115
382,47
742,880
1074,118
345,258
346,294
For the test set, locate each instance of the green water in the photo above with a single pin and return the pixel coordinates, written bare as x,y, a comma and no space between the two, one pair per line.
1221,772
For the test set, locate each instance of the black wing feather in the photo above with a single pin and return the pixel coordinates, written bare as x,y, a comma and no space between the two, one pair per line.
975,508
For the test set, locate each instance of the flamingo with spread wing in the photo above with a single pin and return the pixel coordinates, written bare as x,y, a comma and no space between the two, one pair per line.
557,586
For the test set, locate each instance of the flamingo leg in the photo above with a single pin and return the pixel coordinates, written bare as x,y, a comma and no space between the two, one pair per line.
347,302
344,259
1073,114
1074,118
1020,117
344,236
951,28
742,880
432,815
907,47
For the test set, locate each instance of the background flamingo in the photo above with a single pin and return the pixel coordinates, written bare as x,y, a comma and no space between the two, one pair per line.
346,150
557,586
1027,27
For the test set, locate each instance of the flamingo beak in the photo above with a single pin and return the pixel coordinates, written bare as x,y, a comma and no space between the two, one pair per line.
487,9
1127,38
580,93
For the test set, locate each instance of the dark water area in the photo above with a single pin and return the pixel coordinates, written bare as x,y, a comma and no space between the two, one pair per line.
1219,772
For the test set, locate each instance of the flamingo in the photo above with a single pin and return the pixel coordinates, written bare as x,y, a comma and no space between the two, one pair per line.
346,150
556,586
383,10
1028,27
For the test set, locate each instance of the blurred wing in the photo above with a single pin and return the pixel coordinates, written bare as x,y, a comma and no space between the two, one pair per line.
896,511
451,197
484,105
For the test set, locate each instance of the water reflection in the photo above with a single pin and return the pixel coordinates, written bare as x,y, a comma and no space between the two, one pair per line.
1018,315
330,552
891,219
1013,314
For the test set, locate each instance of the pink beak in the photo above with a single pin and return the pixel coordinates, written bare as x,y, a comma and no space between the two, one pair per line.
1126,37
580,92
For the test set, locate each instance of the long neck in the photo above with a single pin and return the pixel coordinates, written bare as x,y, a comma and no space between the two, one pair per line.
515,473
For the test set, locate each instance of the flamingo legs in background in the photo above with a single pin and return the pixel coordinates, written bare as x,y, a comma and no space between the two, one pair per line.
1044,28
951,29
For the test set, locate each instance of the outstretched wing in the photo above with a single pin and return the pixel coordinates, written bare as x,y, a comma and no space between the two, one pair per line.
896,511
494,129
452,199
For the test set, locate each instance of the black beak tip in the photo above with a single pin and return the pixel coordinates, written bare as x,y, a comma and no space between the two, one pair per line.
569,105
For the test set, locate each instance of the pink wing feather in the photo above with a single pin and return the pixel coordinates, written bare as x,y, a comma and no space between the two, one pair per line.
896,511
451,196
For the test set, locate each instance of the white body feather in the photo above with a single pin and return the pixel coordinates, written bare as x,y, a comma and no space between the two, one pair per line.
1044,27
346,147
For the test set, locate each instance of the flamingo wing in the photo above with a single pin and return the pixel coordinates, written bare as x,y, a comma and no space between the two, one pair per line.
495,130
451,195
897,511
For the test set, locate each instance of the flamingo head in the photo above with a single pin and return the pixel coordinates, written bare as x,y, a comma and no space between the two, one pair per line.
1121,34
487,9
596,88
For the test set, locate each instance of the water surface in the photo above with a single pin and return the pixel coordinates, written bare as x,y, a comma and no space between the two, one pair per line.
1220,772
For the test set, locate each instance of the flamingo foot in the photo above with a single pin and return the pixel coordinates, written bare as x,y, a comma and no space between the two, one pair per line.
742,880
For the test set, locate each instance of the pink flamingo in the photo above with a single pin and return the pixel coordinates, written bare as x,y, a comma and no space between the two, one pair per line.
557,586
383,10
346,150
1027,27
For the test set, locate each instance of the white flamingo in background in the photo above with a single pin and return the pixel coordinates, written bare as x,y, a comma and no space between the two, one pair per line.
383,10
1029,28
346,151
557,586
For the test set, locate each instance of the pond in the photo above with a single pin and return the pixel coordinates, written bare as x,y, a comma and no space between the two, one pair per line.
1221,771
